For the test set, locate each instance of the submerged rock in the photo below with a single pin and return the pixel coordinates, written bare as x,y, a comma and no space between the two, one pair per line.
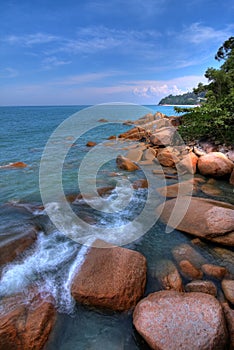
202,287
214,271
189,271
173,320
14,165
91,144
228,289
215,164
110,277
26,321
168,275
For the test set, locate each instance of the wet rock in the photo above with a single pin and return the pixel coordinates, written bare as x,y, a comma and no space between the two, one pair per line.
166,157
102,192
14,165
211,190
202,287
163,137
26,322
149,154
173,320
181,188
188,164
214,271
228,289
112,137
11,248
135,154
91,144
141,183
186,252
102,120
189,271
231,180
135,134
215,164
124,163
204,218
168,276
112,278
229,316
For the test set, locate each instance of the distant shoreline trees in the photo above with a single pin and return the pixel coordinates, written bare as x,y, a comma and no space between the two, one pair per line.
189,98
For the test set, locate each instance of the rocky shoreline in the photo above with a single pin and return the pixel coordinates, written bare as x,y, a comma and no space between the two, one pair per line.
193,307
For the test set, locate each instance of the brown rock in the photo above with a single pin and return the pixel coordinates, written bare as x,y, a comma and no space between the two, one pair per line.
112,278
135,154
26,325
202,287
91,144
141,183
126,164
189,271
103,120
182,188
173,320
10,249
136,134
149,154
14,165
164,136
229,316
188,164
168,276
231,180
215,164
112,137
204,218
228,289
214,271
211,190
166,157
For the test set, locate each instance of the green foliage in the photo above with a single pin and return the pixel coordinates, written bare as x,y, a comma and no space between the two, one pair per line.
215,116
190,98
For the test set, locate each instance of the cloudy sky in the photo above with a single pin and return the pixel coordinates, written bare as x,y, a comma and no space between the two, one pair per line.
97,51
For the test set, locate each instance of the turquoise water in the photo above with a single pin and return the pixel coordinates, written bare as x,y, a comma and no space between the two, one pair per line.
50,264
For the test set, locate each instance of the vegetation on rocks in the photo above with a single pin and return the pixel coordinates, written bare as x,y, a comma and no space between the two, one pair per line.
215,117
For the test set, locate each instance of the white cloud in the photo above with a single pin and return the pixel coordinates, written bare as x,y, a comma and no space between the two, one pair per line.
31,39
196,33
8,72
53,62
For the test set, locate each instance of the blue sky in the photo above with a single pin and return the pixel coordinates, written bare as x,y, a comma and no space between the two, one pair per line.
97,51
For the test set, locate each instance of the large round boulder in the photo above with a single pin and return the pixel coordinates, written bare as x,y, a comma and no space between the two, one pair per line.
111,277
174,320
215,164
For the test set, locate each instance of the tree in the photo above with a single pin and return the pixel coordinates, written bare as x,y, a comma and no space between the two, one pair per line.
215,116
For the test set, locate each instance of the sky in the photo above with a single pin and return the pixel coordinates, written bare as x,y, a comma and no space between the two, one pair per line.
97,51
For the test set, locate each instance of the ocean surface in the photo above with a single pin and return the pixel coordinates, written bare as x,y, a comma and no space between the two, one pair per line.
50,138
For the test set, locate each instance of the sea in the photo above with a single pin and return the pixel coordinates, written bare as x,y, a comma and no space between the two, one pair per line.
51,141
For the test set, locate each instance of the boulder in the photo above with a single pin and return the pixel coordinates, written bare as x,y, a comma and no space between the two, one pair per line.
11,248
135,154
215,164
229,316
211,190
184,188
149,154
173,320
126,164
168,275
26,322
111,277
188,164
228,289
135,134
202,287
214,271
166,157
163,137
204,218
